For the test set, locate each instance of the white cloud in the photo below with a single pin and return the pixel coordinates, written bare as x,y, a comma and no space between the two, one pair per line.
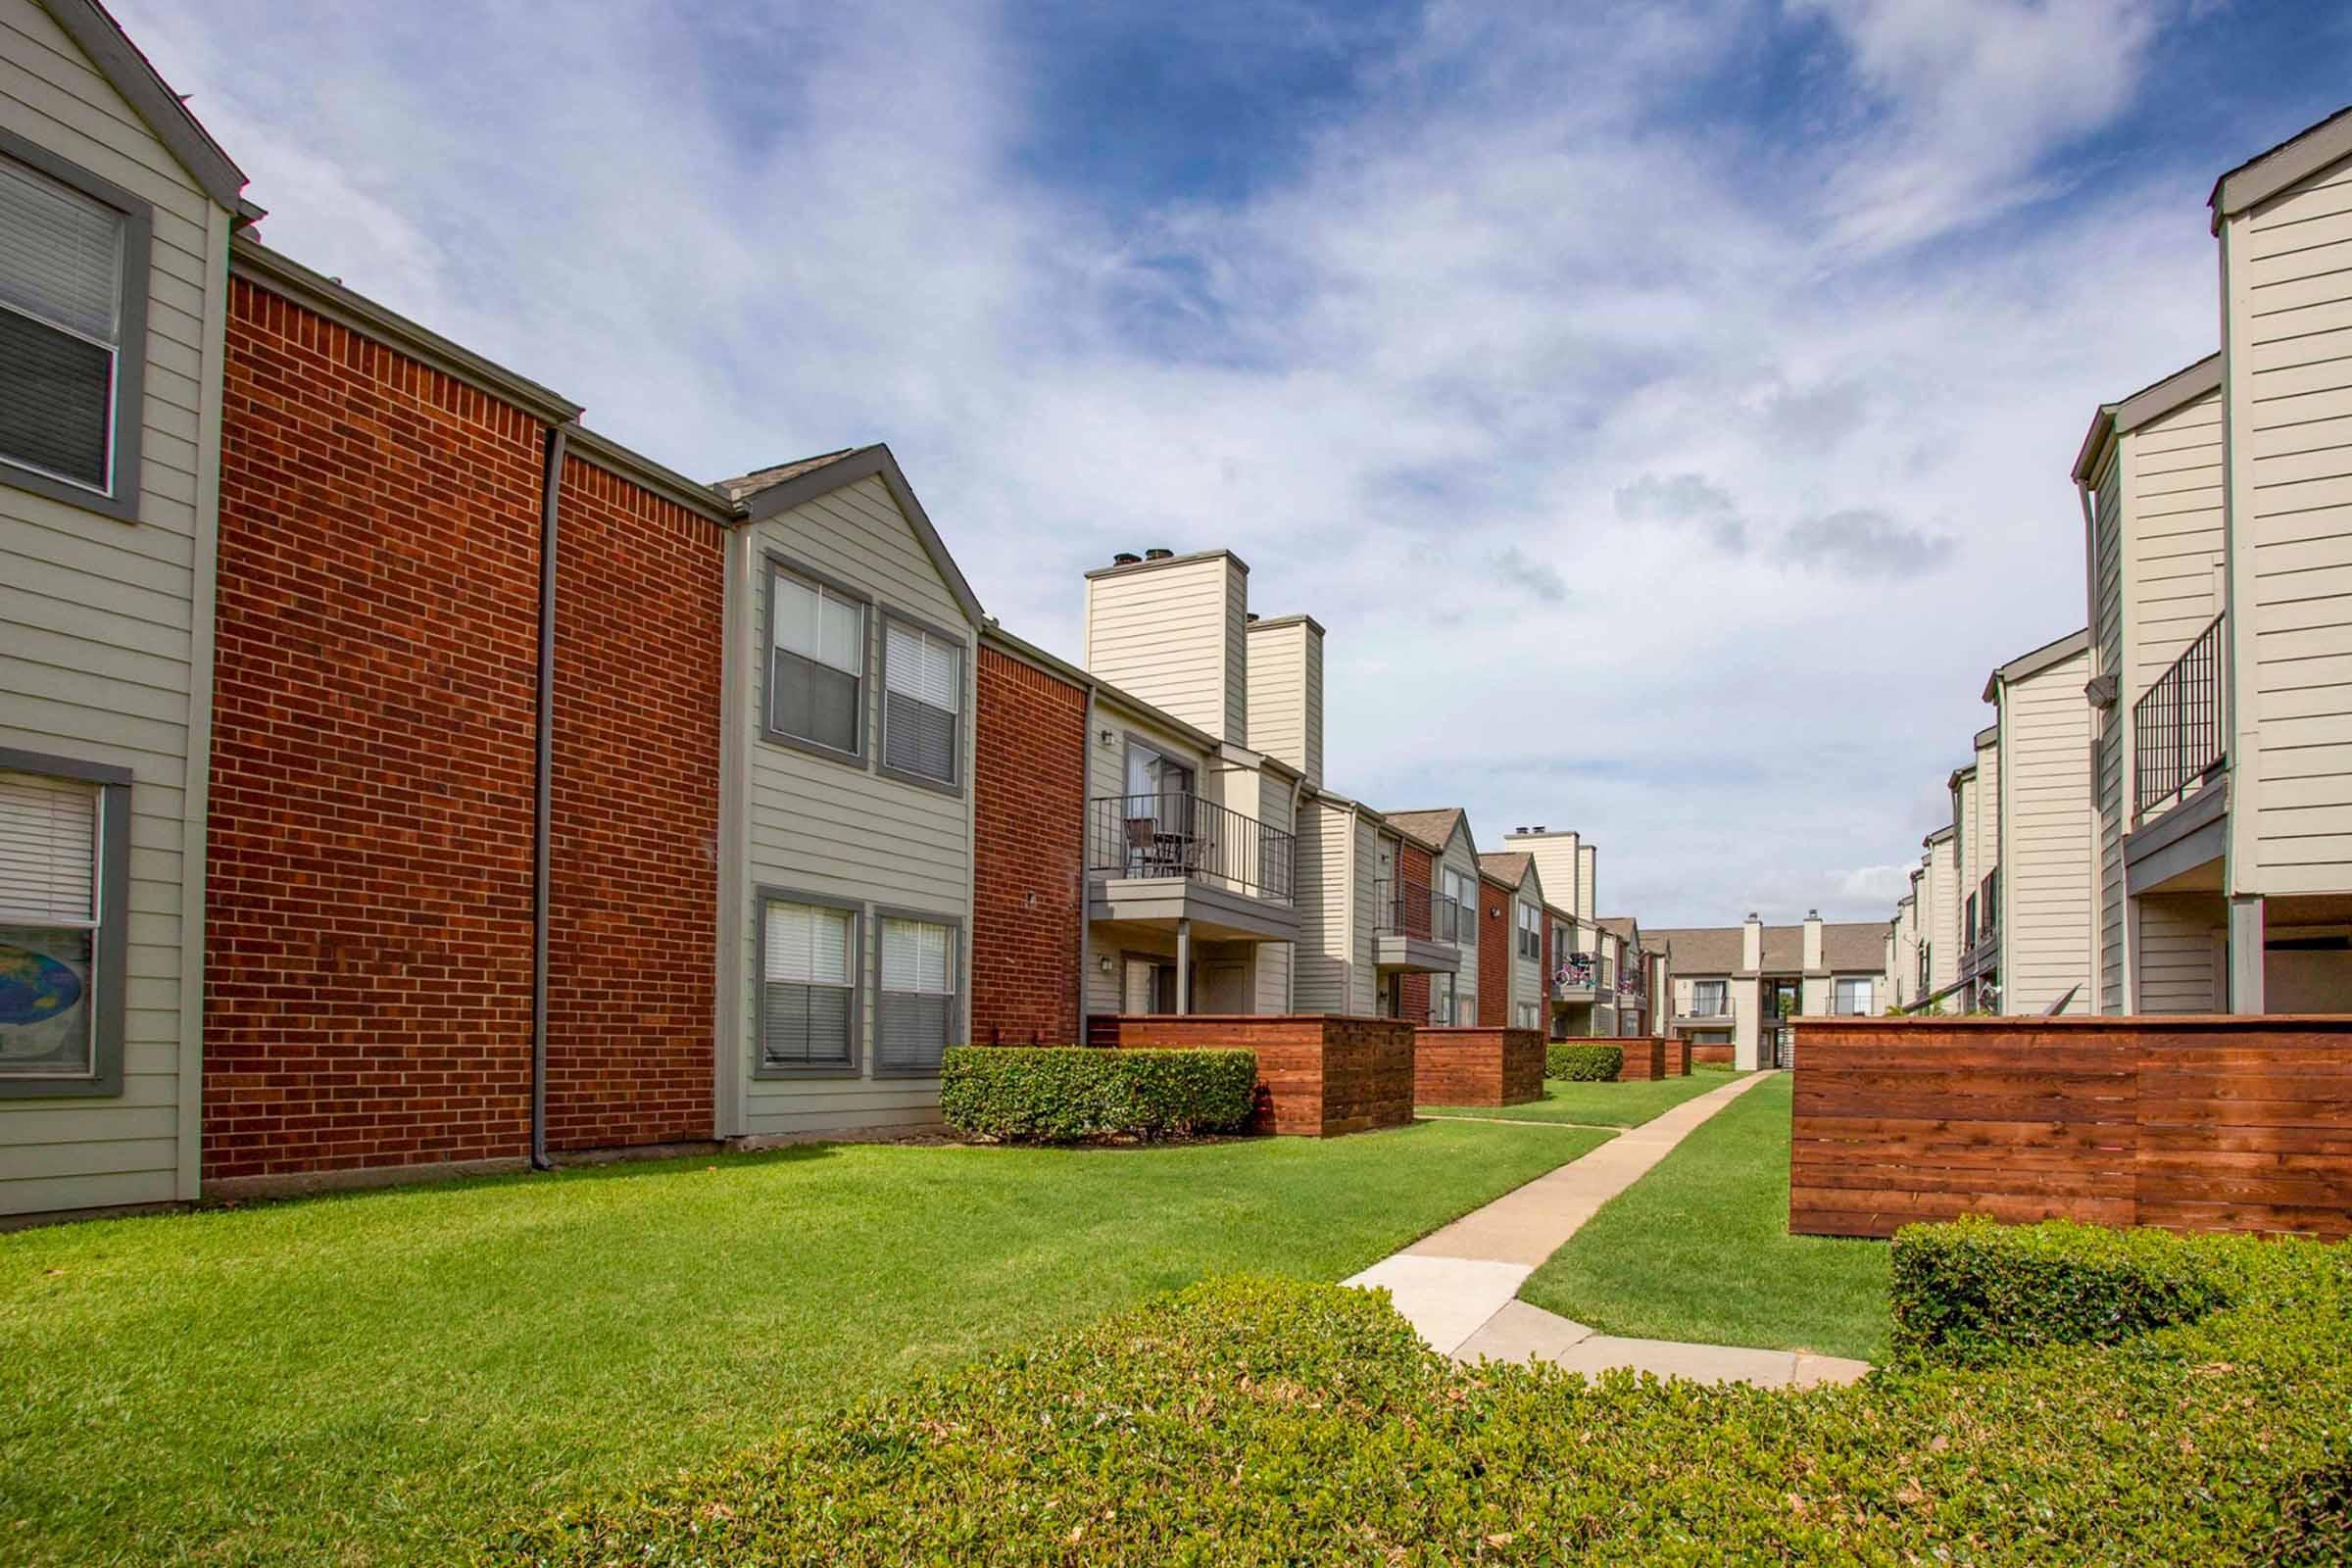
1493,301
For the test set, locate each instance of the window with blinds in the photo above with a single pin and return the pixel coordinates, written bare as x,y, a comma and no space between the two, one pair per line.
917,1010
50,914
61,328
817,671
923,694
809,985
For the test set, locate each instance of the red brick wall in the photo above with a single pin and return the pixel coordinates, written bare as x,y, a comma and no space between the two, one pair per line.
369,956
1495,951
1415,867
1318,1076
633,937
1028,881
367,984
1478,1066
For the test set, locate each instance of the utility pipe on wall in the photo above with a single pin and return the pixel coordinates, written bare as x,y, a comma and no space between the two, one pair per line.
543,762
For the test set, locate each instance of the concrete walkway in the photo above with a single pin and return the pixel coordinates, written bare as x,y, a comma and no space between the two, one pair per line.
1459,1287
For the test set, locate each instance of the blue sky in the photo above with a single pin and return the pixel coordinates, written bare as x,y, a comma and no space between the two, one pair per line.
1667,407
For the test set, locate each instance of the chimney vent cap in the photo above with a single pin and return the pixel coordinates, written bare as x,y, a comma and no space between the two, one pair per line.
1158,553
1125,558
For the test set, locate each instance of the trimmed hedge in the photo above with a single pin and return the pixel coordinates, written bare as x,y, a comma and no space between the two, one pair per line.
1269,1421
1583,1064
1973,1292
1076,1094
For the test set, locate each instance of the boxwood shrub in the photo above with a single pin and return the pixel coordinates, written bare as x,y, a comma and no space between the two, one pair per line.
1076,1094
1269,1421
1589,1065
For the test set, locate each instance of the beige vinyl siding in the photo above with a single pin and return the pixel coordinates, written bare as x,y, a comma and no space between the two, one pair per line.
1326,861
1285,695
1363,973
2047,875
2113,725
1175,636
1462,857
1944,907
2288,346
1556,860
1588,881
2174,488
107,658
2181,957
833,828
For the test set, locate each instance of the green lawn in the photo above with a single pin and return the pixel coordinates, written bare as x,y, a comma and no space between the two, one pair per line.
1699,1250
1595,1104
364,1379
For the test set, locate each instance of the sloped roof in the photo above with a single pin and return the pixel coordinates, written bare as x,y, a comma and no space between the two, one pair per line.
1433,826
765,492
130,73
1847,946
1505,865
1621,926
2275,167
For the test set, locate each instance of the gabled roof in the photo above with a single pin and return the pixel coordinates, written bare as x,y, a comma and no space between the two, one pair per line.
130,73
2274,169
1989,735
2160,397
1624,927
1856,946
765,492
1939,836
1506,866
1702,949
1433,826
2027,665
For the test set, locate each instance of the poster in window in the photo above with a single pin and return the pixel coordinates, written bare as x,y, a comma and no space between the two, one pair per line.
45,1000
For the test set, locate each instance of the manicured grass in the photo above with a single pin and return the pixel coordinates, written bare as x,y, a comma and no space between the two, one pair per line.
1699,1250
369,1379
1594,1104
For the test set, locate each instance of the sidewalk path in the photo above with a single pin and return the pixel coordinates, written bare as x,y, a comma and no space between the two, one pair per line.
1459,1287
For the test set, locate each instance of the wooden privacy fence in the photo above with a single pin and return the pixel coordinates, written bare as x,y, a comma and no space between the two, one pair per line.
2208,1123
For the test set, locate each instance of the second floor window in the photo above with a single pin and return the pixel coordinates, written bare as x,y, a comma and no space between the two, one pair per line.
1710,998
922,699
1531,931
62,331
1853,998
1465,894
817,671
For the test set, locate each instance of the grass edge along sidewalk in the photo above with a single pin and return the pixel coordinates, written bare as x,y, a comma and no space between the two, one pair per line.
371,1379
1699,1250
1591,1104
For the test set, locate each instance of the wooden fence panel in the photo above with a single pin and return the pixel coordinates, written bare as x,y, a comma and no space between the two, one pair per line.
2209,1123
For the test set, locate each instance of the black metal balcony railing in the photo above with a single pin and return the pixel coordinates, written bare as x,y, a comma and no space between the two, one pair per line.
1406,910
1451,920
1185,837
2176,732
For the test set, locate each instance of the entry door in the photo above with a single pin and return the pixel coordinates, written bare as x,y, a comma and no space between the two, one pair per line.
1150,986
1223,986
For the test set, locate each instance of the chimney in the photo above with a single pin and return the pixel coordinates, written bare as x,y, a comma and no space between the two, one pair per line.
1126,557
1751,944
1555,857
1588,881
1813,959
1174,630
1286,692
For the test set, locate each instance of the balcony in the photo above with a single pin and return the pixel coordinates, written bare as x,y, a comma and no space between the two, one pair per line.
2178,736
1413,929
1981,928
1576,979
1161,858
1709,1009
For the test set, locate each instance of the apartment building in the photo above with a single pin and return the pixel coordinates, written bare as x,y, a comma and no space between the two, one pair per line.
2042,888
1976,846
1515,942
1448,996
2220,611
1734,988
117,210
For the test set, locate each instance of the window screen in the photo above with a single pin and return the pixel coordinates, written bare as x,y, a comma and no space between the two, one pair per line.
809,985
49,918
818,675
918,1008
923,694
60,296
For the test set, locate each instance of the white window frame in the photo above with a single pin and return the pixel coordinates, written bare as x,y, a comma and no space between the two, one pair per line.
101,1071
118,497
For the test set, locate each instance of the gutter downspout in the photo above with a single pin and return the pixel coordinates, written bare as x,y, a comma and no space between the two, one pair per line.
2094,937
542,763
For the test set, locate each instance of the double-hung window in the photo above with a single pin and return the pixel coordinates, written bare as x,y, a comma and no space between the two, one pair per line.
817,663
923,704
1531,931
1465,894
918,1013
65,883
73,317
809,985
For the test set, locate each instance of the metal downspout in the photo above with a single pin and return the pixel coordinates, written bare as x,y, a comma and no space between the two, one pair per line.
542,763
